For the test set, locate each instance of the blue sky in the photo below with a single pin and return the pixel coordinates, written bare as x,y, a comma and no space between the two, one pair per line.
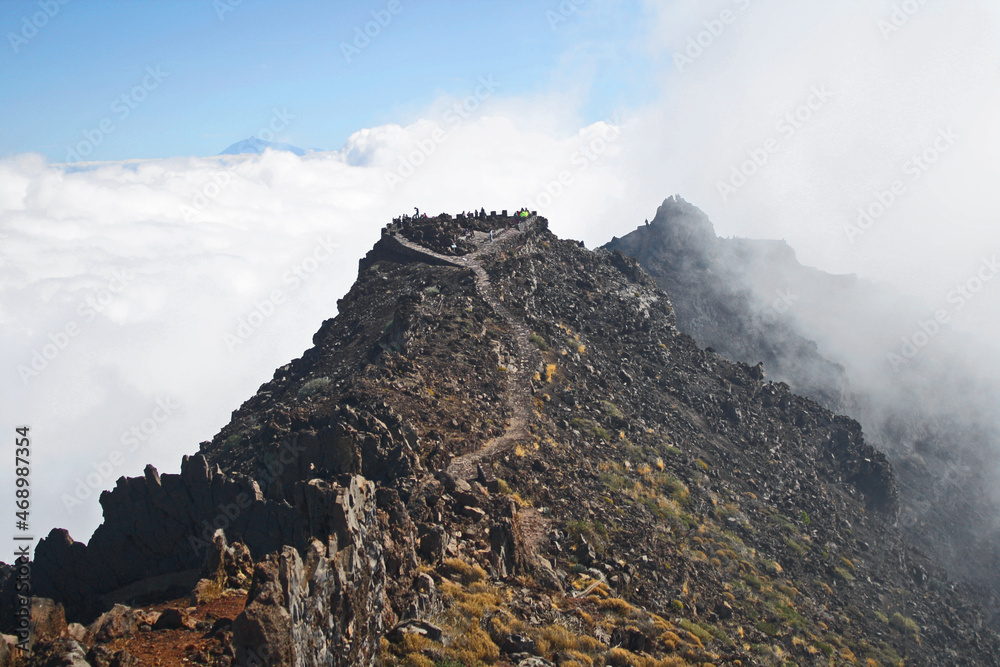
225,67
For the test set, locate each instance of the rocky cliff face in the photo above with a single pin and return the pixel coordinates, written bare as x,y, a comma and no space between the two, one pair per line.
753,302
321,604
505,452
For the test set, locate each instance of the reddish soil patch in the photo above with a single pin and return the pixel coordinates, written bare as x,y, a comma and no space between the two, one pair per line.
174,648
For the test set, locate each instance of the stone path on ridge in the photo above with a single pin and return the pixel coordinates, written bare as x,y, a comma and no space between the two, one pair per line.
518,390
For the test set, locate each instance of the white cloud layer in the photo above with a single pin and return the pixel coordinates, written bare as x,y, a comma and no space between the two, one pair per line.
122,281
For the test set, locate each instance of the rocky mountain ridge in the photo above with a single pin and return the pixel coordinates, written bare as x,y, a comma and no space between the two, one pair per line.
503,451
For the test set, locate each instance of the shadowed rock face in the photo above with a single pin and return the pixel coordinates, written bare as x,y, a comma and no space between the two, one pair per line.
753,302
157,526
341,579
508,453
324,607
152,527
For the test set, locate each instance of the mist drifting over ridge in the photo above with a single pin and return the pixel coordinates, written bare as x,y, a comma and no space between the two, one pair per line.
932,407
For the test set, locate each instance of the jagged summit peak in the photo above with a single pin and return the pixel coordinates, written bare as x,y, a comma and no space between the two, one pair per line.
686,219
688,235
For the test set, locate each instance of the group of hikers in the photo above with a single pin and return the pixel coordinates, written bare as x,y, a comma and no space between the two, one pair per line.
447,237
478,215
522,213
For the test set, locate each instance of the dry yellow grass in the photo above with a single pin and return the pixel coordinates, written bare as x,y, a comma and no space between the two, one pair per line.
670,640
407,653
521,502
473,646
589,645
616,606
467,573
619,657
660,624
555,638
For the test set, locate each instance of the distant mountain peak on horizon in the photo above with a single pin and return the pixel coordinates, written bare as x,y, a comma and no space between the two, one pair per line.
256,146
